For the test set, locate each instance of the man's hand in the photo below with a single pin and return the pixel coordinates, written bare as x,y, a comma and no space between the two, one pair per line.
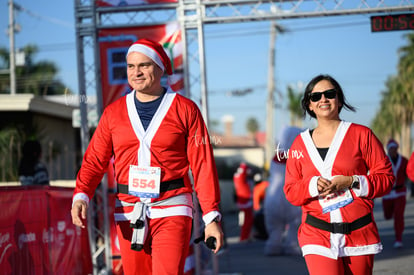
213,229
78,212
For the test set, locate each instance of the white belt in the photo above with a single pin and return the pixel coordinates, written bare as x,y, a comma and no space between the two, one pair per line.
138,216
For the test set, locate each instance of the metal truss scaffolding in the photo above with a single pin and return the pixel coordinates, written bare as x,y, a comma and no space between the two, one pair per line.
192,16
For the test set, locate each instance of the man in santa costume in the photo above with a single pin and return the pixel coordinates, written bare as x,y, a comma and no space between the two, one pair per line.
155,136
393,203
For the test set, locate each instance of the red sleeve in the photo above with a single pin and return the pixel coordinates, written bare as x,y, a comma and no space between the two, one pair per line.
202,164
259,193
410,168
96,159
380,176
241,185
297,181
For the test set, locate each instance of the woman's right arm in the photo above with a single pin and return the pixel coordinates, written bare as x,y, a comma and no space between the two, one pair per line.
301,179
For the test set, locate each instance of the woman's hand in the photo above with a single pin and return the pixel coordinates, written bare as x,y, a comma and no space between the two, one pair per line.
337,183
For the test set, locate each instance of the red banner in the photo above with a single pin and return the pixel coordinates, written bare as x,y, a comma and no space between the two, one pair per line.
117,268
37,235
113,46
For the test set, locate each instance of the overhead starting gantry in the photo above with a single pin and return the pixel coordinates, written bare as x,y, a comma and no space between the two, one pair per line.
192,15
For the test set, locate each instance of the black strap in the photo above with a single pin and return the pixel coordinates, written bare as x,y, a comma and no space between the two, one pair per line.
164,186
398,187
339,227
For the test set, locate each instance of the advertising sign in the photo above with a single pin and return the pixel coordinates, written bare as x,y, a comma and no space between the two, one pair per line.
37,235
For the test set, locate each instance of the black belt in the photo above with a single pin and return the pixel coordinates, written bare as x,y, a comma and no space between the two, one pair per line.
164,186
398,187
339,227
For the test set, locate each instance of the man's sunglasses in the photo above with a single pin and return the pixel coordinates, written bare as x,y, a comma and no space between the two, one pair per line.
316,96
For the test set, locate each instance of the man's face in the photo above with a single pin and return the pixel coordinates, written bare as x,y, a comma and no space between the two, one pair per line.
393,151
143,74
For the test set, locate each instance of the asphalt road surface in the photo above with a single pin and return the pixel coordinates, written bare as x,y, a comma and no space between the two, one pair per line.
248,258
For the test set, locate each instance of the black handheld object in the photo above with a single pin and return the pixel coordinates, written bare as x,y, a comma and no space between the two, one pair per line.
210,242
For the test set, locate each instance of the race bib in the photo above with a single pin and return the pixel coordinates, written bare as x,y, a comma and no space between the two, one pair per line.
144,182
335,200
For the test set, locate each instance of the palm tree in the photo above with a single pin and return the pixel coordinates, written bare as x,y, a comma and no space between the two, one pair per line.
4,65
38,78
396,114
386,123
406,75
295,107
10,143
252,126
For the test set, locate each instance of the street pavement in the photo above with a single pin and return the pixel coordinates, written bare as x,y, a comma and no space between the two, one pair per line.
248,258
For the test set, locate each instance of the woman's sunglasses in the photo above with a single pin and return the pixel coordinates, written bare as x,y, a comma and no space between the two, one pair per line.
316,96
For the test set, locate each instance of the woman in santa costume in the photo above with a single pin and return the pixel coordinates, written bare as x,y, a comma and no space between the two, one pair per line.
393,203
334,172
155,136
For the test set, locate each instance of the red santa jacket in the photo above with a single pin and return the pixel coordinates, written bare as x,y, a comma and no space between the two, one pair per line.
354,151
243,190
400,172
410,168
175,140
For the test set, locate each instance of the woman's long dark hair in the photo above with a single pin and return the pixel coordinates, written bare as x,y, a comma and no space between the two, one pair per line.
308,90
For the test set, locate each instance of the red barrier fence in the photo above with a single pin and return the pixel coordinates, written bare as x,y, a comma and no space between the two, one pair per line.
37,235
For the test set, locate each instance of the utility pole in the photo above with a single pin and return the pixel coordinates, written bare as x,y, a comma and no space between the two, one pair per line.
269,149
203,75
12,57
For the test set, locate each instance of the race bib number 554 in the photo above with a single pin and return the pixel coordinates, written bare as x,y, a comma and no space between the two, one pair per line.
144,182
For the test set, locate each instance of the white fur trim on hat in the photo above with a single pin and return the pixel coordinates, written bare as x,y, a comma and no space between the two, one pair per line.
150,52
392,144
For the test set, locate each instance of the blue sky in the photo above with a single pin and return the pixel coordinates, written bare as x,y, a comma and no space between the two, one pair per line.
237,58
360,60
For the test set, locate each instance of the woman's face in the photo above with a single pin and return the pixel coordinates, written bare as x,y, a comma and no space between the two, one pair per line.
325,103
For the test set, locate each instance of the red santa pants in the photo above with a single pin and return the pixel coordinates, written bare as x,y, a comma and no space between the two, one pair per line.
395,208
354,265
165,248
247,225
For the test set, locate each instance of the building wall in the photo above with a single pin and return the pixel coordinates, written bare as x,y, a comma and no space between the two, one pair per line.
253,155
59,146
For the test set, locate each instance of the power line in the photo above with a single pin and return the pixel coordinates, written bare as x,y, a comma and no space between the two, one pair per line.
53,20
254,31
67,46
237,91
224,33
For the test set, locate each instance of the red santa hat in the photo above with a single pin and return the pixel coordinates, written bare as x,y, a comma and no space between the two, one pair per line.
154,51
392,143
